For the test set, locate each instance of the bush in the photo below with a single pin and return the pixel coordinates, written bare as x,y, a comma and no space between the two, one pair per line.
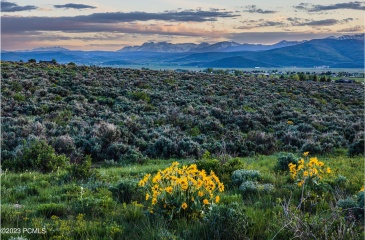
284,160
208,165
241,175
37,155
227,222
125,192
250,187
81,169
357,148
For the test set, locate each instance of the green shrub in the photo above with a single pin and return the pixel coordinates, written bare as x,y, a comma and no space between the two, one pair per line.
251,187
227,222
241,175
208,165
37,155
125,192
141,96
357,148
82,169
284,160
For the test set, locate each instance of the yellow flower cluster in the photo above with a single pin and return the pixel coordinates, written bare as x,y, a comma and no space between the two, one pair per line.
310,172
186,189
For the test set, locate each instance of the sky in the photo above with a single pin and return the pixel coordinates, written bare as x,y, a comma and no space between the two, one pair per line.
113,24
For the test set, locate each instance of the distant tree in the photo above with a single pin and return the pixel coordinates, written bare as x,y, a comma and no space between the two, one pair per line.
295,77
32,60
322,79
54,61
72,64
315,78
238,73
303,76
282,76
209,70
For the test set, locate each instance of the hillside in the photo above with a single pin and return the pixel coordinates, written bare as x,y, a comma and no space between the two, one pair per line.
115,113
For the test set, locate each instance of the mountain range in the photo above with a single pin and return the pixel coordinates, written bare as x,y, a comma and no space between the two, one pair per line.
205,47
336,52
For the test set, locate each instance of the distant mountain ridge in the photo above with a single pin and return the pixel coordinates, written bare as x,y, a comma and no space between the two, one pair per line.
47,49
335,52
225,46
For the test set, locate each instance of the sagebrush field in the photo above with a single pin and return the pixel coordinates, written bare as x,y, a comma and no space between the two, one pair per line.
90,153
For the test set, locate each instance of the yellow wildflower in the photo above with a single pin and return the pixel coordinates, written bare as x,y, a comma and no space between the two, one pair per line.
217,198
184,206
200,193
169,189
305,154
147,196
328,170
205,201
221,187
154,201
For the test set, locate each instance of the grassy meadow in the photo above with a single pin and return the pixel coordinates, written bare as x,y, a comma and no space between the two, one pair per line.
110,205
108,153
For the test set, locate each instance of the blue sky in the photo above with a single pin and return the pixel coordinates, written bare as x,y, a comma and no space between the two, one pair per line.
112,24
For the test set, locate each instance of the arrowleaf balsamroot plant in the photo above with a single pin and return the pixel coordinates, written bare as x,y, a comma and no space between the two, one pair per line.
181,192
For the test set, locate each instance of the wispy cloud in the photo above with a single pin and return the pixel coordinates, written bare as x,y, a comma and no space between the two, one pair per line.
251,24
254,9
291,22
357,28
13,7
318,8
74,6
317,23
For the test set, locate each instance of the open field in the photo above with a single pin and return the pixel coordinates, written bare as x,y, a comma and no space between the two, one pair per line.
79,142
91,208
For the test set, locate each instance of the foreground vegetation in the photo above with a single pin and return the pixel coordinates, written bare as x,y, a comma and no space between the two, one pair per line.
87,154
260,201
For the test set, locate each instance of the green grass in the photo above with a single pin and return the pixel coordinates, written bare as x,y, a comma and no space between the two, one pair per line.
88,209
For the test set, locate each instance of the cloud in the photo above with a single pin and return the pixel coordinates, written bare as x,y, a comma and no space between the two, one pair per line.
251,24
357,28
74,5
13,7
25,25
291,22
318,8
294,21
109,22
254,9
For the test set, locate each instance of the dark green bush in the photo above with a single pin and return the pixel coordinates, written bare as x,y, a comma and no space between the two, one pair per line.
283,161
81,169
37,155
357,148
125,192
